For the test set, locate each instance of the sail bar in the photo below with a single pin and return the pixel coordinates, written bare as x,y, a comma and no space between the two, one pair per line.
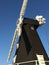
23,8
12,45
41,59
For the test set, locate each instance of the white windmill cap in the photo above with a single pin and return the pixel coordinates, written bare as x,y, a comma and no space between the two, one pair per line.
41,19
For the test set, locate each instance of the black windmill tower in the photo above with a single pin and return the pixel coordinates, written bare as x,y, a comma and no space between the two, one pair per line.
29,47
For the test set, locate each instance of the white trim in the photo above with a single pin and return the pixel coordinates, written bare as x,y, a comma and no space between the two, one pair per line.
28,62
41,59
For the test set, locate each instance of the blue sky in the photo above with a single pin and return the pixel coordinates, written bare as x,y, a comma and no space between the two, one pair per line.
9,13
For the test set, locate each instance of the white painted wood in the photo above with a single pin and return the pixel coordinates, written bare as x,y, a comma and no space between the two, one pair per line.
41,59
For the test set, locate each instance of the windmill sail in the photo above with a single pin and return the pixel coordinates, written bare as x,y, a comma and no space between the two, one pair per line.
23,7
18,29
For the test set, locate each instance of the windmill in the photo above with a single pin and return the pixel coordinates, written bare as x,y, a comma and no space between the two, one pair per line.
29,46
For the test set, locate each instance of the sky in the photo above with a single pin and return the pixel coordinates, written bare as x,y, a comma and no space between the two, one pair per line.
9,13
